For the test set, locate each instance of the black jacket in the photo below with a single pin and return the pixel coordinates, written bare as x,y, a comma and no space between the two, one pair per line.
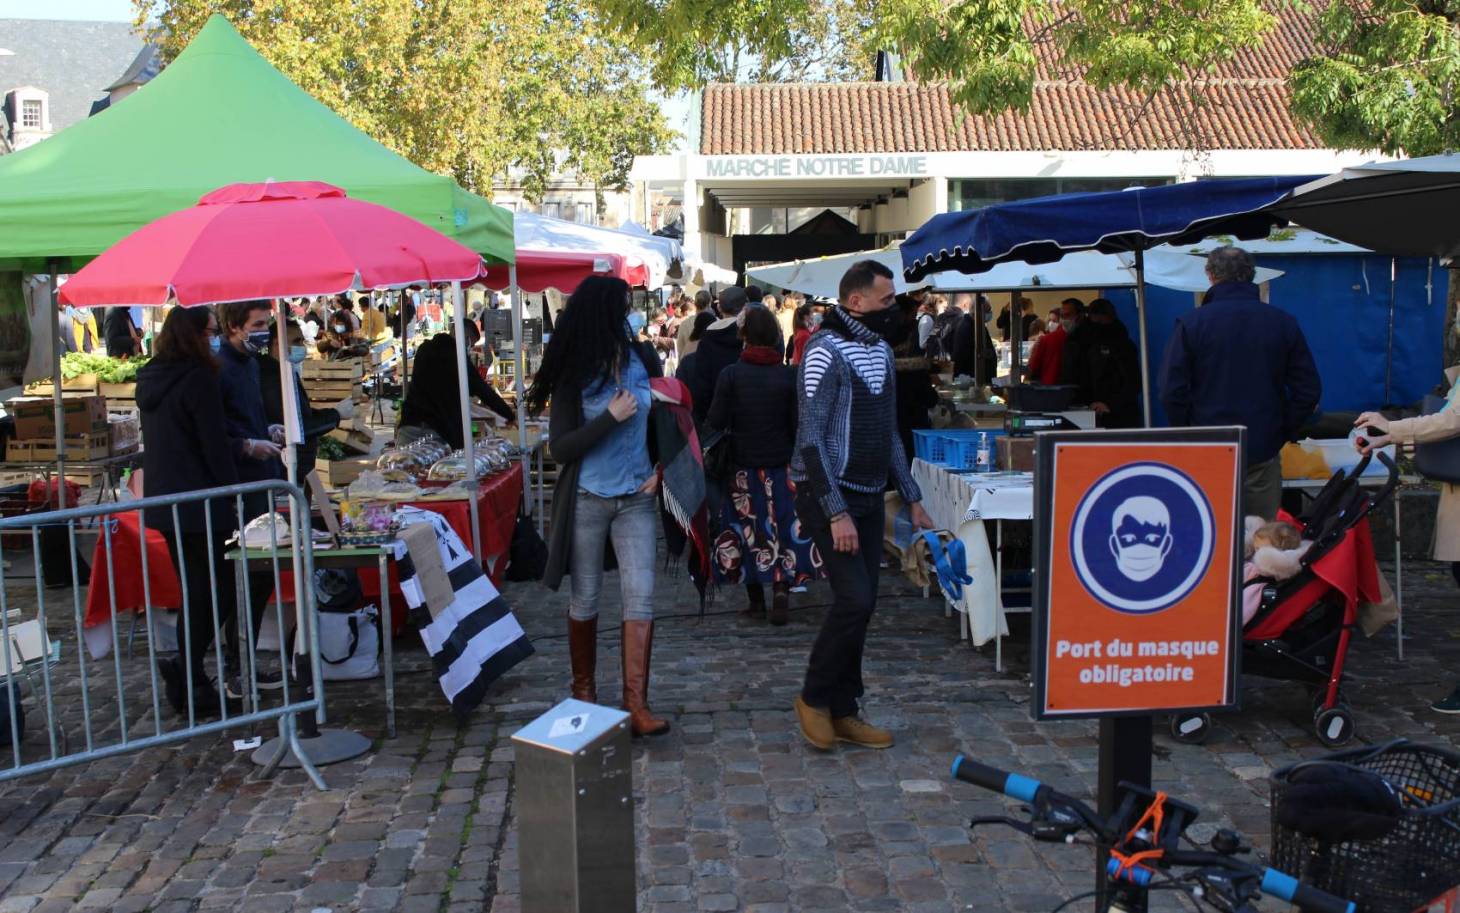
757,405
1103,362
433,400
969,336
569,441
243,414
719,348
116,329
188,444
316,422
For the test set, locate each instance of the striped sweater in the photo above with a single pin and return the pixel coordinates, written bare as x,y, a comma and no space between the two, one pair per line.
847,436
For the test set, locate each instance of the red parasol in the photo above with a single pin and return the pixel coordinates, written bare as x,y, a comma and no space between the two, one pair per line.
273,240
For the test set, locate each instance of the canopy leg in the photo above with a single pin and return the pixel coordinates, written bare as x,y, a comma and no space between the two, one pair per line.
1145,342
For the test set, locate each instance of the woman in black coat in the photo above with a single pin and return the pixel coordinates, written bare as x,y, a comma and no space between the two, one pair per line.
189,449
757,540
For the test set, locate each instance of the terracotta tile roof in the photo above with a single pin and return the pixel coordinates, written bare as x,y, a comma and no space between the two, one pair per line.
1245,106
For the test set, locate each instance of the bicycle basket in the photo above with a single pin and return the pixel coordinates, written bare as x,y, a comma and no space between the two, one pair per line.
1415,862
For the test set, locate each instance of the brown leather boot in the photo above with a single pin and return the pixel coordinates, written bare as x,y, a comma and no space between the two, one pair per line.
638,642
583,651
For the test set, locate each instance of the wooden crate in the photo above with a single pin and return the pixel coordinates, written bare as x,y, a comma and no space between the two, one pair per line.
339,473
95,446
81,383
344,371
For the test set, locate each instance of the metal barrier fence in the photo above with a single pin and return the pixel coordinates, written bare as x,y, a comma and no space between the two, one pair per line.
126,706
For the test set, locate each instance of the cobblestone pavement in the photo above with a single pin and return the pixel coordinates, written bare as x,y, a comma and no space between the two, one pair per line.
734,812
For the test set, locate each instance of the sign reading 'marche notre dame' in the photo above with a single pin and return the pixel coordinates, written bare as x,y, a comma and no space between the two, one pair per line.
815,166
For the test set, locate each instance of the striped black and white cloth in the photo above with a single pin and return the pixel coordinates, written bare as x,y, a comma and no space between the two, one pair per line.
475,639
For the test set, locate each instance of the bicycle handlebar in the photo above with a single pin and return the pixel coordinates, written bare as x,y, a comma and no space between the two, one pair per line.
1027,789
1015,786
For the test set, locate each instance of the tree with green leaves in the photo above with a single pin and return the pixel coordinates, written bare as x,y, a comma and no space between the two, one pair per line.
1387,77
477,89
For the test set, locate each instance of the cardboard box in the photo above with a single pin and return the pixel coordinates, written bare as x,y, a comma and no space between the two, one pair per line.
35,416
79,448
1016,454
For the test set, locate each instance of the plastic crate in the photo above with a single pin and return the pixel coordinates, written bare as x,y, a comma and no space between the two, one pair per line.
928,445
1416,862
962,447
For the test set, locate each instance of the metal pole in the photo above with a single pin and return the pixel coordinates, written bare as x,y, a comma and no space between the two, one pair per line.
519,368
1389,349
298,532
1145,343
58,348
1016,337
458,317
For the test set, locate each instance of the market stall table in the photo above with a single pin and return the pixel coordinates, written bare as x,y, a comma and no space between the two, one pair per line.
359,558
107,467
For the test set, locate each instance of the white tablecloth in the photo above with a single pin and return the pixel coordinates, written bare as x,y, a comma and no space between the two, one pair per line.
960,503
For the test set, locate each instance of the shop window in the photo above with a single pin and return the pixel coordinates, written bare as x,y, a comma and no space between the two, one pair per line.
976,193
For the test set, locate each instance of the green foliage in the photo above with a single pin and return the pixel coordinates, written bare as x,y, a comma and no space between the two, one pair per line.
331,449
1386,78
478,89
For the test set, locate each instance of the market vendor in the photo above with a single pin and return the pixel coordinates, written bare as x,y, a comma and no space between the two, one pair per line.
433,400
316,422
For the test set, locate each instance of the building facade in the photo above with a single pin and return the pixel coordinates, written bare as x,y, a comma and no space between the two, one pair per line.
54,73
888,155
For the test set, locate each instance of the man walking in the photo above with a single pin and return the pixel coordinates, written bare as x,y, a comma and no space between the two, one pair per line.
1239,361
847,450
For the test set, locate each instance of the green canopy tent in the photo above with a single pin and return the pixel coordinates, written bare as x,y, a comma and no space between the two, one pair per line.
219,114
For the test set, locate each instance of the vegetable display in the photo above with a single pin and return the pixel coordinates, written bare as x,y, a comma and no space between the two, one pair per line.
107,369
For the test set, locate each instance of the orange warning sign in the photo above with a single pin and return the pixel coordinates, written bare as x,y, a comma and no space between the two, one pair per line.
1138,540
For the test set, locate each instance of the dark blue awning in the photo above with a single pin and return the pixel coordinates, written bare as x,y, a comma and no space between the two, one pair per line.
1044,229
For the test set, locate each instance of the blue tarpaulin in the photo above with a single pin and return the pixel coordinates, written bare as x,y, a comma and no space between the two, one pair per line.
1341,302
1044,229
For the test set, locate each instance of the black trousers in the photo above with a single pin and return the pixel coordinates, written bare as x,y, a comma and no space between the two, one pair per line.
198,625
196,628
834,671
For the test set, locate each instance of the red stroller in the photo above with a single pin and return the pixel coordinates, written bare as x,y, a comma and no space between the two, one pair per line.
1303,628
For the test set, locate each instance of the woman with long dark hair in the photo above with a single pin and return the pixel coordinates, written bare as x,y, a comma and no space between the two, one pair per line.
597,375
758,540
804,323
189,449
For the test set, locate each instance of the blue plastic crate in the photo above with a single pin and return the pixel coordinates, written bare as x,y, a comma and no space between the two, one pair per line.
962,448
928,445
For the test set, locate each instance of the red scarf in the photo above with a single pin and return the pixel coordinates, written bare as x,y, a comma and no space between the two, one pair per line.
762,355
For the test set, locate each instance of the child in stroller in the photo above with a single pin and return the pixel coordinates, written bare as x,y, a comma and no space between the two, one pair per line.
1302,625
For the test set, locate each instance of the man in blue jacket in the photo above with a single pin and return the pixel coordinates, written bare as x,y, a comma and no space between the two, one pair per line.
1239,361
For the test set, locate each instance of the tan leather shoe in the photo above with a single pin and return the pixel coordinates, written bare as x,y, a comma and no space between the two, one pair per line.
815,725
858,731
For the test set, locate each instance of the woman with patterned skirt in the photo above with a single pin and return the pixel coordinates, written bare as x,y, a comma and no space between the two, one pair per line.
756,537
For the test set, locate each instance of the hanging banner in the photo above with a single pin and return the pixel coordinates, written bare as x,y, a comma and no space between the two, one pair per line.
1138,544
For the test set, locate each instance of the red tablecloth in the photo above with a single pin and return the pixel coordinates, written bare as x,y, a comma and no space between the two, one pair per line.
497,500
127,559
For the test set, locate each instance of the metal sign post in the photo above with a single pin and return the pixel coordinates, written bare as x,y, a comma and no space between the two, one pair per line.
575,811
1138,538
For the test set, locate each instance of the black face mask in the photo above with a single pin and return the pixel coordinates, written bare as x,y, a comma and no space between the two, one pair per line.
884,322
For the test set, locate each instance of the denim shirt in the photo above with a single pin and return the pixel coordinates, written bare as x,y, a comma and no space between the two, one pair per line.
620,462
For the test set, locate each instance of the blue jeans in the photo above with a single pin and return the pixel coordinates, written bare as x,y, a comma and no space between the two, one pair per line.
629,520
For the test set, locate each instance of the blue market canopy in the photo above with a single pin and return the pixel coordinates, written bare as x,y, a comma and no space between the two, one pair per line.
1044,229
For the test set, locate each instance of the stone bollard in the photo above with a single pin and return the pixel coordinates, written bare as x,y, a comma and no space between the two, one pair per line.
575,811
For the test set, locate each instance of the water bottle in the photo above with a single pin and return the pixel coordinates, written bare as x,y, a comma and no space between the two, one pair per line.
983,462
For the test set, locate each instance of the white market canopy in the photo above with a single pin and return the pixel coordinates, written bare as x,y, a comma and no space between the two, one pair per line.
660,257
1165,267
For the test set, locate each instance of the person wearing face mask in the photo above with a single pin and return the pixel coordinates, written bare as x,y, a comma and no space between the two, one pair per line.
973,349
719,348
433,401
847,451
258,452
315,422
190,448
1047,359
